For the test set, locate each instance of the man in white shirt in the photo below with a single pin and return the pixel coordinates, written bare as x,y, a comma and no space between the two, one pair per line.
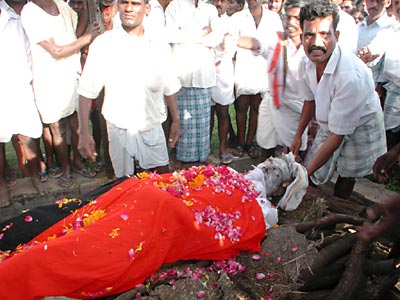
193,32
135,81
376,21
339,91
251,72
18,112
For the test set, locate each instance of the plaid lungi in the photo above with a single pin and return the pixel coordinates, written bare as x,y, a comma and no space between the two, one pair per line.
392,108
194,105
356,155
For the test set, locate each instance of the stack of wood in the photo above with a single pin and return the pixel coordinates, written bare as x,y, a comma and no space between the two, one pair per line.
347,267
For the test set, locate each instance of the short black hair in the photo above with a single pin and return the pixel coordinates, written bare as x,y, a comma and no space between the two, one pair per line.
319,9
293,3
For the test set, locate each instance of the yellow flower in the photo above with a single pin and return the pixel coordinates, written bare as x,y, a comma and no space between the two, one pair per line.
142,175
114,233
93,217
197,181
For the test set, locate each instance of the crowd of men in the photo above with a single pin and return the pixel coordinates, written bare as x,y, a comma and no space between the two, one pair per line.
151,75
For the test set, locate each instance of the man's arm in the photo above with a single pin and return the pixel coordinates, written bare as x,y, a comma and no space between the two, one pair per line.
307,113
86,144
175,131
59,52
324,153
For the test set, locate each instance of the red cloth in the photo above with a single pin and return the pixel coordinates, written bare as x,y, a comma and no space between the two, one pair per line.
130,232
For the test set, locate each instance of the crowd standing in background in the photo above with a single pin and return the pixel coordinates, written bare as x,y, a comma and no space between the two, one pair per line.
149,86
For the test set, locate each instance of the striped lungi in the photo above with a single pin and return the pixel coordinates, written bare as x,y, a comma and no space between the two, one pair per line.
194,106
356,155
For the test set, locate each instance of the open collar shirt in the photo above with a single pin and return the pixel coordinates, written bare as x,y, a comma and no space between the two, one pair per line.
136,73
344,97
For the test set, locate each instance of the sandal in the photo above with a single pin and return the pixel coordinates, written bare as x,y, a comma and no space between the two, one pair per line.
226,159
253,150
86,172
238,151
43,176
64,181
100,166
55,172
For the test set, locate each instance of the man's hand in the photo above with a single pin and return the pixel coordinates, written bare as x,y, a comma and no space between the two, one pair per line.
295,148
174,134
87,147
384,163
366,56
93,30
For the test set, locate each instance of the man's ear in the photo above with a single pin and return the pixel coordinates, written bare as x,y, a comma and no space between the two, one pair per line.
337,34
147,9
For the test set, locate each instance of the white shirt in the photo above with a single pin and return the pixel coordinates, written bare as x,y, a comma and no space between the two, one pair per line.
154,22
18,112
135,79
54,80
348,32
251,72
194,56
367,33
344,97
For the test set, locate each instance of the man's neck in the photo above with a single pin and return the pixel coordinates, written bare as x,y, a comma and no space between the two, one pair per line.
296,41
17,7
256,12
373,20
134,31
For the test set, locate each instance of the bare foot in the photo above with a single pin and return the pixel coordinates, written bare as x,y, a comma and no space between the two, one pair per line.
4,196
178,165
39,186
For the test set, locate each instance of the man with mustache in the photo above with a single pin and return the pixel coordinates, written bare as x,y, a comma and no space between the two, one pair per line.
339,91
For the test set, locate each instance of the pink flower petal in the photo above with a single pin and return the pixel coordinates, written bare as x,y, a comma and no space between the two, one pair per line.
201,294
260,276
124,217
131,253
294,248
28,219
256,257
1,235
278,259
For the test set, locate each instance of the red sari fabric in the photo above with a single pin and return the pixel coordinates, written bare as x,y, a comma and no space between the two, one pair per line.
117,241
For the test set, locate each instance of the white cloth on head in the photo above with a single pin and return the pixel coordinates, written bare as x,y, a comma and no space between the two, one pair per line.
54,80
18,111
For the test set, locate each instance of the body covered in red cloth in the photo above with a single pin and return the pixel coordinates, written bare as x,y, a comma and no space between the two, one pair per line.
116,241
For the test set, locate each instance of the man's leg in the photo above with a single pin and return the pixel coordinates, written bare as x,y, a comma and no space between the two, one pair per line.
19,150
344,187
241,106
223,128
31,150
4,192
253,150
58,131
77,164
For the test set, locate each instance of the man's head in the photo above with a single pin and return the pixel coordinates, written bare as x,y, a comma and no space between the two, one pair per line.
221,6
275,5
76,5
252,4
347,6
291,18
319,21
234,6
376,8
396,8
359,15
132,13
